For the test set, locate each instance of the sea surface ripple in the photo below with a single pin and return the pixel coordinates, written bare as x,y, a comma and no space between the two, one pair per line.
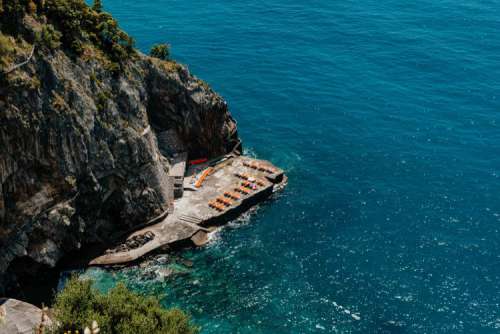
385,116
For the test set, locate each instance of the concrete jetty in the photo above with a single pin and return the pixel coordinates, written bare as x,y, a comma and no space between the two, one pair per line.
213,193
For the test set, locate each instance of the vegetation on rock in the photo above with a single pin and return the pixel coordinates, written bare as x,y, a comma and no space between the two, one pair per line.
49,37
119,311
78,133
160,51
71,22
7,47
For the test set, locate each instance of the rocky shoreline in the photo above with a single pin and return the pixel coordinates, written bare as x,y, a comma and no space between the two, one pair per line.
91,153
20,317
107,155
73,175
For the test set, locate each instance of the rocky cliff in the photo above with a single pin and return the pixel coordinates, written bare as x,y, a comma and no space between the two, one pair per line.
80,158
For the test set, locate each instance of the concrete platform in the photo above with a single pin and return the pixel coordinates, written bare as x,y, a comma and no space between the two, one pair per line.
233,183
195,200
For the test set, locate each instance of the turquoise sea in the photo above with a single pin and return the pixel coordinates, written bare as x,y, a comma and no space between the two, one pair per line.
386,117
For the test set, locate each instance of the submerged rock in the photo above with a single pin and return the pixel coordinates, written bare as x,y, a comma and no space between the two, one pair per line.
200,238
165,273
186,263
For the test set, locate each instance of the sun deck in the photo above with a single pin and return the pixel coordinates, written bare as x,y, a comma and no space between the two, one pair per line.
214,192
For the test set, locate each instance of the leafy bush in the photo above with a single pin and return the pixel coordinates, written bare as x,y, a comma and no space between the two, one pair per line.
49,37
161,51
12,12
120,311
113,40
76,25
80,24
7,47
69,17
103,98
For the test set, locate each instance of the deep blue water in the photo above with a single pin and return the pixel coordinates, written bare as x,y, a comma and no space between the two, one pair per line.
386,117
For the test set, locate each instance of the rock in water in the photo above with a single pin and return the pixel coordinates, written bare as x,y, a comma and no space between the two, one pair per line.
200,238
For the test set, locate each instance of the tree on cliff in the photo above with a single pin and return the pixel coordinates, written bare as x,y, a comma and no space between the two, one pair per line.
119,311
77,25
161,51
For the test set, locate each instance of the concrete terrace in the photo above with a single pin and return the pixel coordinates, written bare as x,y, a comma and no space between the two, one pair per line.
213,193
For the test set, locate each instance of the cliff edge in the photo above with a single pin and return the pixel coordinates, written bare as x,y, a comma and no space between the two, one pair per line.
83,122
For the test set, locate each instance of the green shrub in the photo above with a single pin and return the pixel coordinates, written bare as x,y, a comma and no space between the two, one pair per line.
77,23
49,37
102,100
112,67
12,13
69,16
80,24
161,51
120,311
7,47
93,78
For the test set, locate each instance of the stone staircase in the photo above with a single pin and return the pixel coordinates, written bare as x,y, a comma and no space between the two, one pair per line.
190,219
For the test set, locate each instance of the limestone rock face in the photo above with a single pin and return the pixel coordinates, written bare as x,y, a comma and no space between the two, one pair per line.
17,317
80,158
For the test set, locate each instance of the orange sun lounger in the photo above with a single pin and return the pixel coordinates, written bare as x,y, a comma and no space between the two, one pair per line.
242,190
241,175
260,167
251,164
267,169
249,185
225,201
260,182
232,195
203,176
216,206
